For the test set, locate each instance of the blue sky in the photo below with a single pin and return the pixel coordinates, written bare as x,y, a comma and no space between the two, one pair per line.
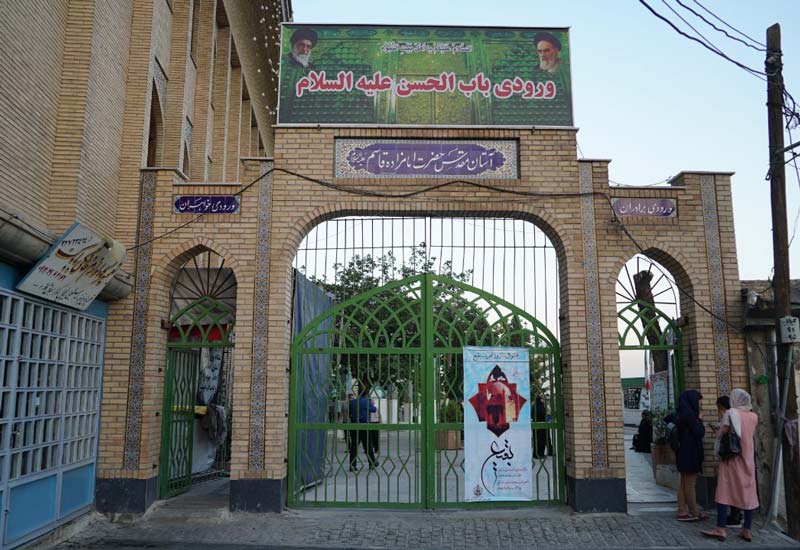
645,97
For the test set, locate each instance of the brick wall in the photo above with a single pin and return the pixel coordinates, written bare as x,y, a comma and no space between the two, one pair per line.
32,44
105,109
548,164
170,42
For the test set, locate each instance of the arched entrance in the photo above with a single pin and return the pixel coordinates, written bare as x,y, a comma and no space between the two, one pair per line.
401,345
196,414
650,341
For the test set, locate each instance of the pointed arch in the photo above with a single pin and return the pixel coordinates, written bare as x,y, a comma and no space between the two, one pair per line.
155,132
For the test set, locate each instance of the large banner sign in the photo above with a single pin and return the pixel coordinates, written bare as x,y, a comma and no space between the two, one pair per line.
75,269
497,425
426,76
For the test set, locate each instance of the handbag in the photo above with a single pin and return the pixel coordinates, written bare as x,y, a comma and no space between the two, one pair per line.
730,446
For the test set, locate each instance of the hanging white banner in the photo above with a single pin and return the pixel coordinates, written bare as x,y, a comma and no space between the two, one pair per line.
497,427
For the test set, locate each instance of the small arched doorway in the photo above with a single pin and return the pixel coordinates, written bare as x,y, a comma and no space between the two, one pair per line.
402,343
651,364
196,418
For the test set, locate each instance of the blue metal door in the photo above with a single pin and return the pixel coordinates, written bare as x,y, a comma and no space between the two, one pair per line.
50,381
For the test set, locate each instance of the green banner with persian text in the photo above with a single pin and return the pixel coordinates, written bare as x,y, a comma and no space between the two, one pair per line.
424,76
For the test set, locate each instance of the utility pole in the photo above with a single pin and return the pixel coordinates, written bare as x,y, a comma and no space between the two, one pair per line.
781,282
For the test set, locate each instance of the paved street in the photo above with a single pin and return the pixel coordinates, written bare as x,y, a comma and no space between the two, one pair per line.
200,520
174,526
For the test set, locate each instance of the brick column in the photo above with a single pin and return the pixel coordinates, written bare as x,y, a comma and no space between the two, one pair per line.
179,62
598,485
258,475
119,489
202,115
71,116
222,105
230,170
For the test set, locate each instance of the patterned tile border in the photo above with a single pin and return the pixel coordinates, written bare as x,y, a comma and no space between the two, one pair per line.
258,380
595,338
711,221
139,331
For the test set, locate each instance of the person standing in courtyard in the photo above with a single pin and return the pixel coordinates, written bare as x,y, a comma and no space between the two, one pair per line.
736,478
375,420
689,456
360,408
644,436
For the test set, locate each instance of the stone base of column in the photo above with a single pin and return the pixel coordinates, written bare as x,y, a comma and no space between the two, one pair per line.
258,495
597,495
125,495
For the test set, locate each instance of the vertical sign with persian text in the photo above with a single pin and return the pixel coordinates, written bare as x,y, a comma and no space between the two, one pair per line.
497,427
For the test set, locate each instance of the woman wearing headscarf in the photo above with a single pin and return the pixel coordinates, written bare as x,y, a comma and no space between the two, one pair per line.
689,459
736,479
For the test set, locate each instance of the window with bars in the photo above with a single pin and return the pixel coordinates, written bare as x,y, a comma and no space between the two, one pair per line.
50,376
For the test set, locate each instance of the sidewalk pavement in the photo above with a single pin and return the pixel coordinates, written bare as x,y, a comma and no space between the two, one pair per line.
200,520
185,523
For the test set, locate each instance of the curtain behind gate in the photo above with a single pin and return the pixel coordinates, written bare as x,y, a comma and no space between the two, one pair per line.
310,302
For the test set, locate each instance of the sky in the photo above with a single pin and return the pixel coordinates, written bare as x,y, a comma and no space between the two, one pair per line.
652,101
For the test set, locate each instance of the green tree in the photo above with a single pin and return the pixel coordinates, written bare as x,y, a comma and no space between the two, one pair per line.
392,320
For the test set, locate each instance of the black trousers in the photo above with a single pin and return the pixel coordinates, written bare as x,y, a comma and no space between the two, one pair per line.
356,437
374,439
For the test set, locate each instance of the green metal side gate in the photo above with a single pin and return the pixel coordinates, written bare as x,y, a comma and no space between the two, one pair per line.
401,345
204,325
643,326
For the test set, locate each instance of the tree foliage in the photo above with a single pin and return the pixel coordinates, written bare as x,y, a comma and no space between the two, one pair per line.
393,320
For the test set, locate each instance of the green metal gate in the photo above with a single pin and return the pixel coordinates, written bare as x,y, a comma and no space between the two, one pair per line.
197,329
645,327
401,345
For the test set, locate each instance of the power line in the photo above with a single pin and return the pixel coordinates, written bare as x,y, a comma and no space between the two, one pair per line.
712,14
660,182
790,105
723,31
698,33
758,74
196,218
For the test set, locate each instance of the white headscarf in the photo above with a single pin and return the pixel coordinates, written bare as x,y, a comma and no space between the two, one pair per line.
740,401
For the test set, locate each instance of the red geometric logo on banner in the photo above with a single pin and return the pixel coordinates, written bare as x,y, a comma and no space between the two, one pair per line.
497,402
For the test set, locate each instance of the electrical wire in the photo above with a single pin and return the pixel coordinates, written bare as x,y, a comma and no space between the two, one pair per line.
712,14
723,31
758,74
196,218
378,194
660,182
698,33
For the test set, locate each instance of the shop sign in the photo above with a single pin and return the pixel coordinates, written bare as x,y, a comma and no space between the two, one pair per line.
497,427
424,76
397,158
75,269
206,204
652,208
